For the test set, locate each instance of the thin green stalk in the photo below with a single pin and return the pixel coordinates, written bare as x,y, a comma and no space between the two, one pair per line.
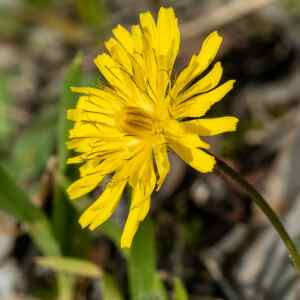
66,287
265,207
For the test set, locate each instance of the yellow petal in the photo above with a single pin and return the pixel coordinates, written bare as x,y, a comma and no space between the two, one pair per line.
112,72
90,167
84,185
160,48
93,130
210,81
130,169
137,39
143,182
143,173
130,228
100,216
139,208
124,37
149,177
104,167
102,95
81,144
95,147
148,25
198,63
196,158
176,132
213,126
168,34
91,116
139,74
199,105
144,209
101,101
208,51
85,90
97,104
119,54
109,146
120,79
150,62
104,206
162,163
75,160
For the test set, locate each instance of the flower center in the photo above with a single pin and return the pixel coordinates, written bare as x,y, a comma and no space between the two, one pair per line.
138,122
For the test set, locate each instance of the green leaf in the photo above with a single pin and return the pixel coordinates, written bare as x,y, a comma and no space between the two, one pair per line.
33,149
73,77
72,266
6,125
159,286
64,214
141,264
180,292
15,202
65,219
109,288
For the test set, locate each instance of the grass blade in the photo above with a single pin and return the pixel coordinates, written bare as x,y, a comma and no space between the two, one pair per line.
73,77
141,264
180,292
109,288
64,214
6,125
15,202
71,266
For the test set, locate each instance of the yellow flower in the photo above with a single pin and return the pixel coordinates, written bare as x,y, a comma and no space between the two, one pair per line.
125,129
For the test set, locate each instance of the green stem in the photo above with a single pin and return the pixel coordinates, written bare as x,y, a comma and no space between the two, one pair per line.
265,207
65,287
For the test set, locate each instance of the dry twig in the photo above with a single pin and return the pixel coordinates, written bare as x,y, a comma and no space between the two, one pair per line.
222,16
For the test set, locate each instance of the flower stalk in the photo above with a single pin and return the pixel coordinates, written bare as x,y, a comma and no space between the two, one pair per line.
266,209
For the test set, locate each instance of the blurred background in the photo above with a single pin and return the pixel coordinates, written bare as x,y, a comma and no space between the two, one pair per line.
205,240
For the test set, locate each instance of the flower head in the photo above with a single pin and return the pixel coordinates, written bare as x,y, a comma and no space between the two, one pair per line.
125,128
